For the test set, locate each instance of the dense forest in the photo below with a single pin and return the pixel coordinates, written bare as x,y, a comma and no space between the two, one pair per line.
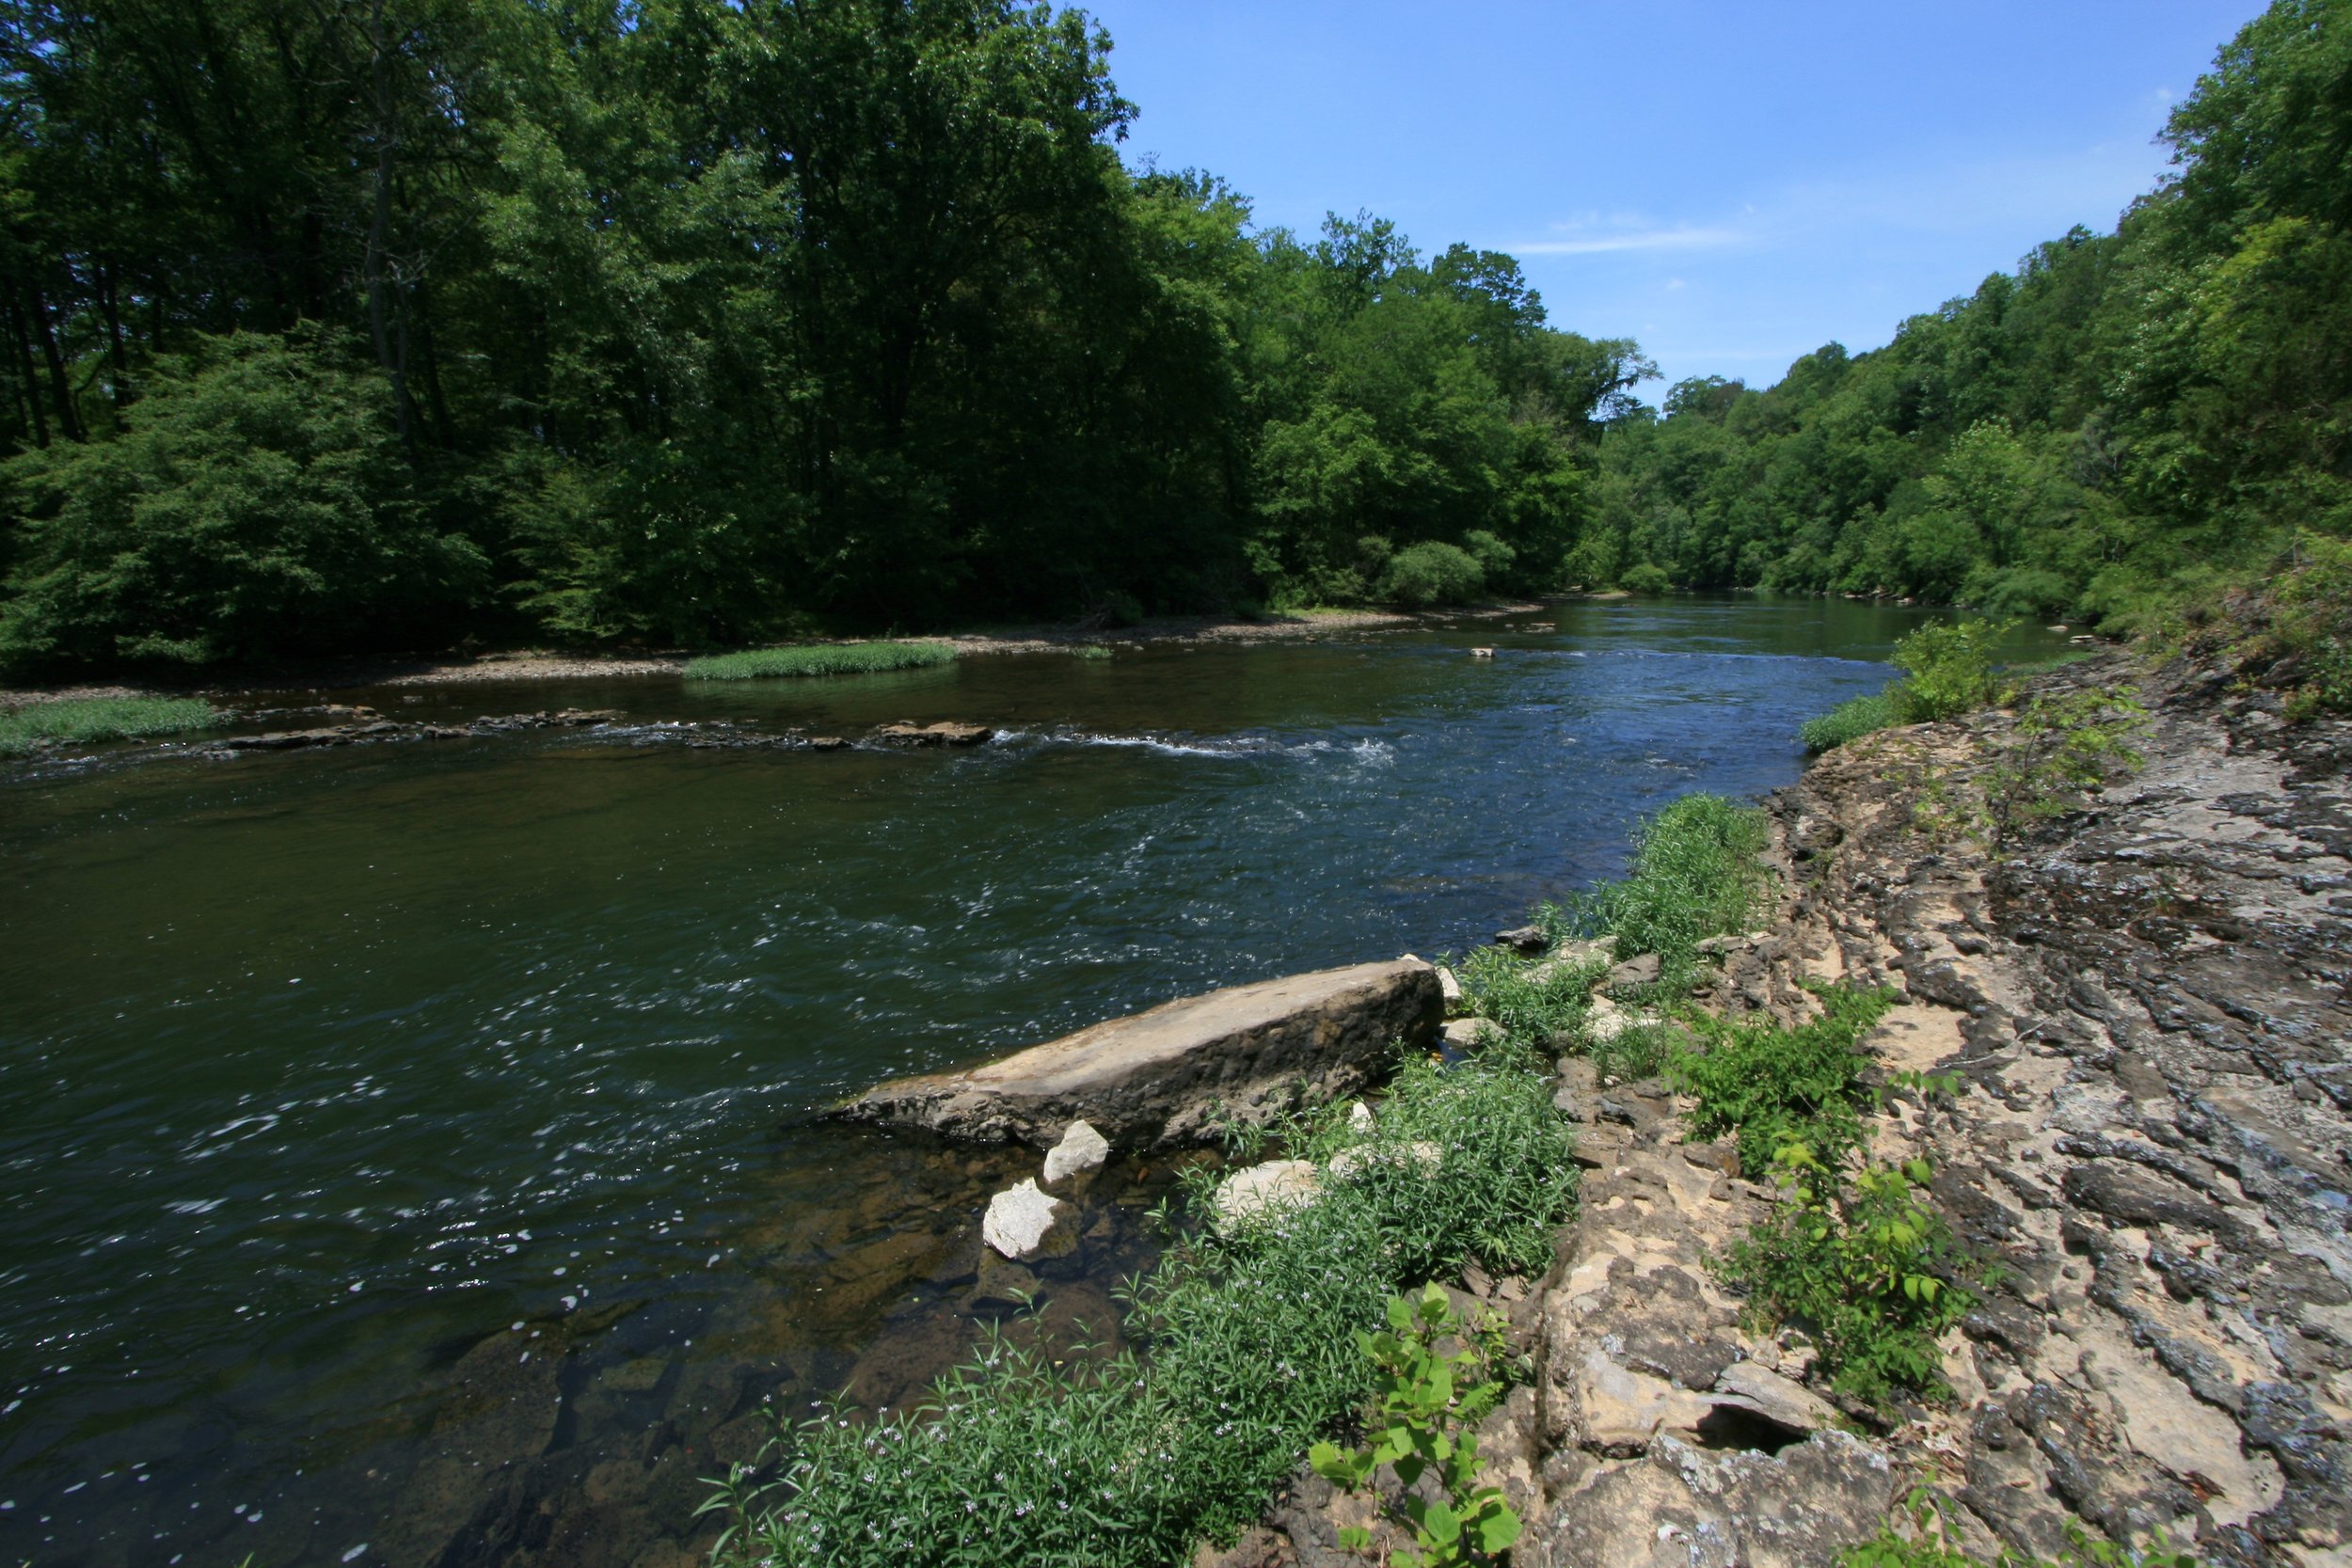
346,324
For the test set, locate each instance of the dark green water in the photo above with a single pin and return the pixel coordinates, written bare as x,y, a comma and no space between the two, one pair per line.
408,1147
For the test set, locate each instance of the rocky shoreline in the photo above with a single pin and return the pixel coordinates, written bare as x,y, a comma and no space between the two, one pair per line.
2145,1003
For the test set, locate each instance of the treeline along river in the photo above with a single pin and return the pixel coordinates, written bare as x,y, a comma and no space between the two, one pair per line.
408,1152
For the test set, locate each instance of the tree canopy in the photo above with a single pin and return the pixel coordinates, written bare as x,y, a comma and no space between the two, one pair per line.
343,324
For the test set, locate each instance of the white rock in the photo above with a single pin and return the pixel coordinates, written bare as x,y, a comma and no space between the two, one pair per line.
1465,1034
1424,1157
1082,1148
1257,1192
1024,1223
1450,986
1359,1117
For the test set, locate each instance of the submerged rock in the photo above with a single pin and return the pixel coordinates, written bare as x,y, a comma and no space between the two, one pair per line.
1173,1074
1526,940
1023,1223
1256,1192
945,732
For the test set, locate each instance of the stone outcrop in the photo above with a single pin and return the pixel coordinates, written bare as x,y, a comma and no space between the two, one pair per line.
2145,1003
1172,1075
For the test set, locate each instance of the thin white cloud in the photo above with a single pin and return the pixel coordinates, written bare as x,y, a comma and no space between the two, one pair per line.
1684,238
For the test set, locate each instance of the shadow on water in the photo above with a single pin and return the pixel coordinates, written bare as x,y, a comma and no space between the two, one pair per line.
408,1152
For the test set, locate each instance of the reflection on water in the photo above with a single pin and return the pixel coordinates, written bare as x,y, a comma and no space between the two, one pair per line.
409,1151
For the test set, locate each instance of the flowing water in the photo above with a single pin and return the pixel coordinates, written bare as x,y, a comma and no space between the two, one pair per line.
408,1152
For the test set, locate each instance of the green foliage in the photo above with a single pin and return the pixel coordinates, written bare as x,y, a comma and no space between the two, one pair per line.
1696,873
1646,579
1849,721
2060,748
1430,573
1249,1357
2309,637
1948,670
1420,1406
1856,1260
824,658
254,504
77,721
1933,1541
1091,653
1774,1087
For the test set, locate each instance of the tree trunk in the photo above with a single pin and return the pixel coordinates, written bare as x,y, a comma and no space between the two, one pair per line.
29,379
390,355
67,420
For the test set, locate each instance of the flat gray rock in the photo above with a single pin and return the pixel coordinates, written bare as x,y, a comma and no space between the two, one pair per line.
1171,1075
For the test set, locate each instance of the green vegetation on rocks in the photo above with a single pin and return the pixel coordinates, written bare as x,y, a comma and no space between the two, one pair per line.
1249,1356
829,658
75,722
1849,721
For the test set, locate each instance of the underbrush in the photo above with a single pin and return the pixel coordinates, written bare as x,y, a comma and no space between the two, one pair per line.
1773,1086
844,659
1247,1357
1933,1541
1853,1257
76,722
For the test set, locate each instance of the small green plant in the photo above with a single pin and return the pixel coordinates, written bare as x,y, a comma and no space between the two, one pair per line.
1948,670
845,659
2311,627
1773,1087
1423,1401
1646,579
1860,1263
2061,747
1932,1543
1090,652
77,721
1849,721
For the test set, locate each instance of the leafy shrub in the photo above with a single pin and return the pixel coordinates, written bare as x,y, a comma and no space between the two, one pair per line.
1950,669
76,722
1093,652
1417,1420
1774,1086
1430,573
1646,579
2061,746
2311,627
1862,1266
1495,558
1696,873
843,658
1528,1002
256,504
1249,1358
1849,721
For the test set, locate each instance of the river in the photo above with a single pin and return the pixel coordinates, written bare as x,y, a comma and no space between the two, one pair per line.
409,1151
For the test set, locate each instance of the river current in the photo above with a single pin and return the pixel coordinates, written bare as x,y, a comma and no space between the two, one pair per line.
408,1153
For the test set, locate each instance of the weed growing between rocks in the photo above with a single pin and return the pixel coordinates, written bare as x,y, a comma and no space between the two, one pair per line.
847,659
1931,1542
78,721
1855,1258
1248,1357
1773,1086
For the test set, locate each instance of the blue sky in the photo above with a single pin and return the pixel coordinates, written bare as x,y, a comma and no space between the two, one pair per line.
1733,183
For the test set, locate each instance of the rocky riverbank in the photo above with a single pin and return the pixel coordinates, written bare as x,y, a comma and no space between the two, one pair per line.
2145,1003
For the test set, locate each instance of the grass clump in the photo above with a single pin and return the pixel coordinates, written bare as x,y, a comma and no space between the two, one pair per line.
823,658
1697,872
1248,1357
76,722
1849,721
